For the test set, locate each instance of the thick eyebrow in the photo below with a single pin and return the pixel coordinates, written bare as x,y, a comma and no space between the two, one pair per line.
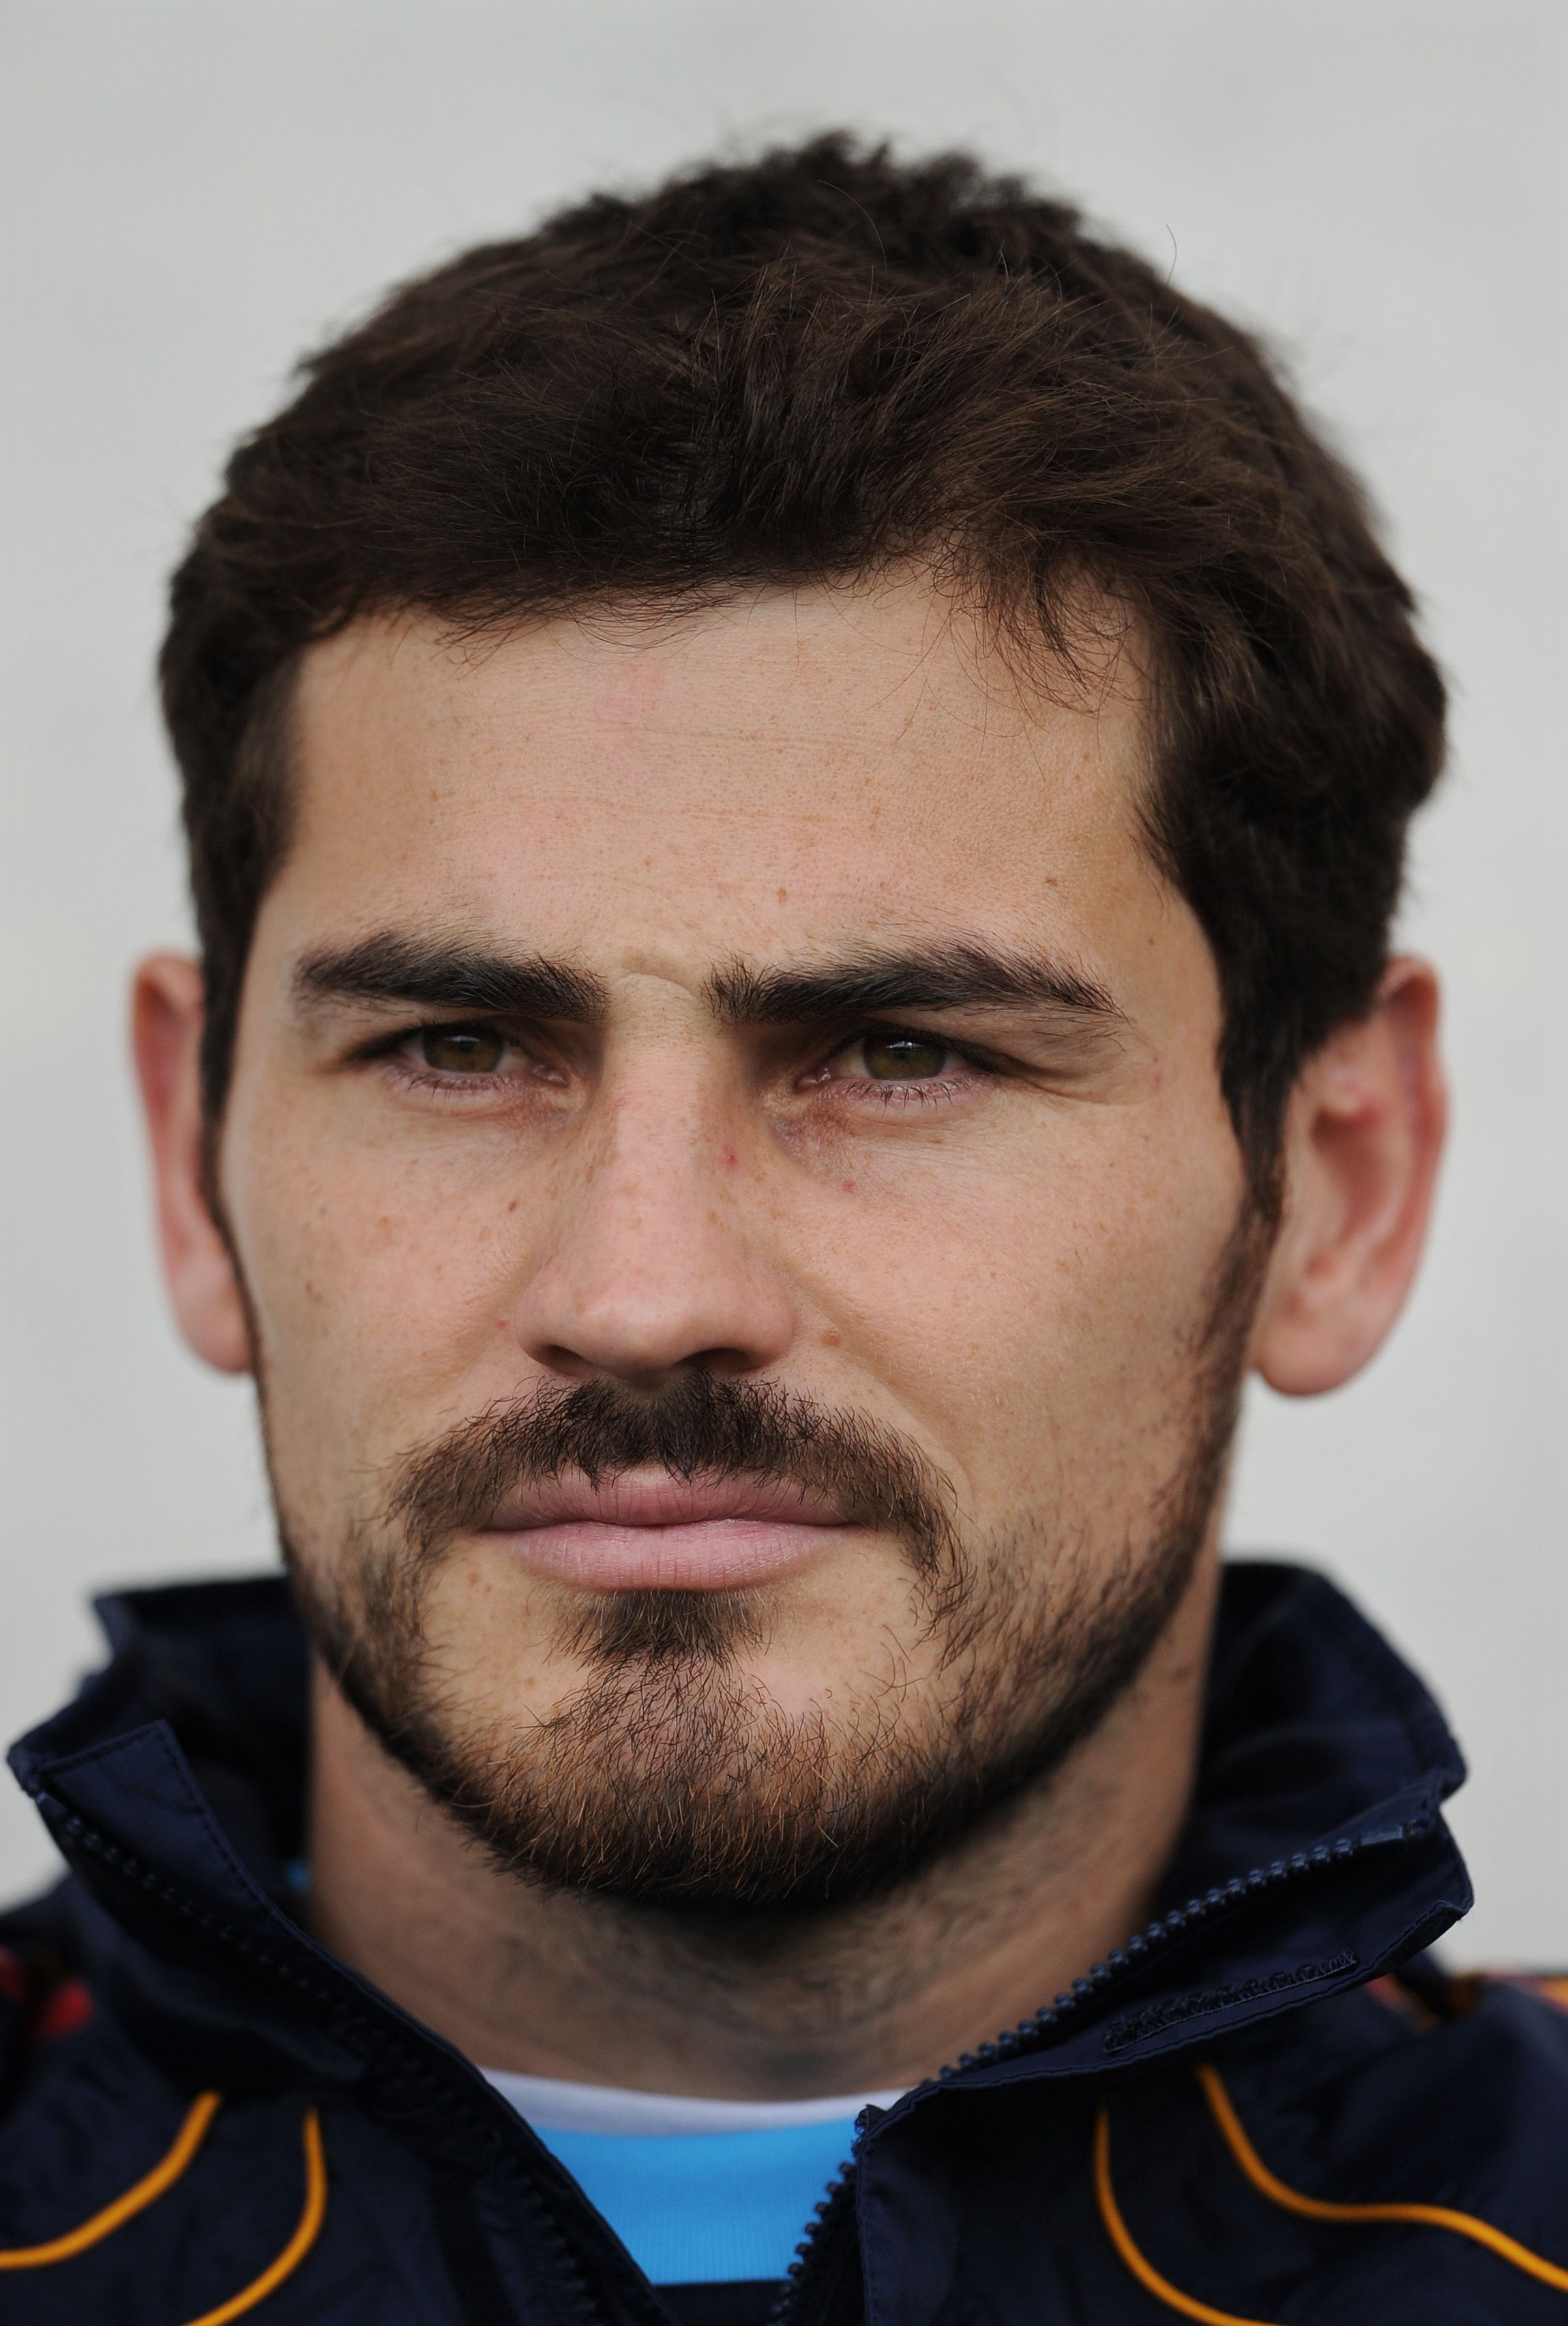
450,974
965,975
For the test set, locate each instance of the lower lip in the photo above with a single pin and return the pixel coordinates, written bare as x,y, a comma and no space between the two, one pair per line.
701,1555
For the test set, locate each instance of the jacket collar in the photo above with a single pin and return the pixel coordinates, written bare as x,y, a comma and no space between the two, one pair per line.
1315,1856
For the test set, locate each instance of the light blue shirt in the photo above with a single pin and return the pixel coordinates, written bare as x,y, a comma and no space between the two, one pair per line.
695,2190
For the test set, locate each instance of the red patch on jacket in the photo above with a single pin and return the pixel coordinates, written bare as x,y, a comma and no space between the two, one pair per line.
62,2011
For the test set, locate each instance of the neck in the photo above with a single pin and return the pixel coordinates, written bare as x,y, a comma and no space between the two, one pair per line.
864,1998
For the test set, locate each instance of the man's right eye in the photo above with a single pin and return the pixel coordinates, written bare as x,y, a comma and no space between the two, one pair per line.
462,1050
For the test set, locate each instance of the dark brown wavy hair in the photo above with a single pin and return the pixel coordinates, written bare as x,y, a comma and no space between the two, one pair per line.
817,364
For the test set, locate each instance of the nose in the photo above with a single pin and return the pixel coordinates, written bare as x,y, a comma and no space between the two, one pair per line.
655,1259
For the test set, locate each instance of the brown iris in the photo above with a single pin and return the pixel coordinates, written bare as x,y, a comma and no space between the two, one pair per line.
903,1057
462,1050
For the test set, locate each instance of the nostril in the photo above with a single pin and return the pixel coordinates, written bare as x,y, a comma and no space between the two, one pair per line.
571,1364
728,1365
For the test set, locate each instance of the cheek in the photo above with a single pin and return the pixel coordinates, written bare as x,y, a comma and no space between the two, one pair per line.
377,1287
1037,1324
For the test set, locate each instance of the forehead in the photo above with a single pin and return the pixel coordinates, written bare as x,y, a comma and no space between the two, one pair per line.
650,787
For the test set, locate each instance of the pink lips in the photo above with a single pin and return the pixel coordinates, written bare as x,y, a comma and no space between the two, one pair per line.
652,1532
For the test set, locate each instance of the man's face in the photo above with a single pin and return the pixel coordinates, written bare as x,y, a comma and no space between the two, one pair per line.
740,1227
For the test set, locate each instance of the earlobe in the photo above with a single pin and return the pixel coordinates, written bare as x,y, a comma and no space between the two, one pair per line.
1363,1136
166,1018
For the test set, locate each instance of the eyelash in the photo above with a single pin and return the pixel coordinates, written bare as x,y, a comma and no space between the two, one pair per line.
900,1094
938,1090
387,1052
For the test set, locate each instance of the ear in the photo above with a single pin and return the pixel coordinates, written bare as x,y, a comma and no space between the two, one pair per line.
166,1015
1363,1134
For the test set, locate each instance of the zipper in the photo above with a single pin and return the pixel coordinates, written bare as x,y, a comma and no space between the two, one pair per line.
1074,2007
812,2254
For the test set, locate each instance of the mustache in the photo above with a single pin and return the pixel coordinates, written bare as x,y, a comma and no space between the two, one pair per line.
699,1424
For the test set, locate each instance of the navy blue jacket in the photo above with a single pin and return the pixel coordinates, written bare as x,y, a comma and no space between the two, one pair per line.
1231,2118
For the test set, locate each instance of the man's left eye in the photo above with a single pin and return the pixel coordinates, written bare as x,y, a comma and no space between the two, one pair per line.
462,1050
903,1057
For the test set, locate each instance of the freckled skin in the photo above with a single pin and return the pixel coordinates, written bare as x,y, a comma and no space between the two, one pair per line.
1015,1285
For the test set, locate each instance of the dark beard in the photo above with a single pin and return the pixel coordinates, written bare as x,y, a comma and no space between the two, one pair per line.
673,1780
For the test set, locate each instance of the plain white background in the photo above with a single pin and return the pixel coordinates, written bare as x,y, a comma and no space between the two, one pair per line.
197,190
